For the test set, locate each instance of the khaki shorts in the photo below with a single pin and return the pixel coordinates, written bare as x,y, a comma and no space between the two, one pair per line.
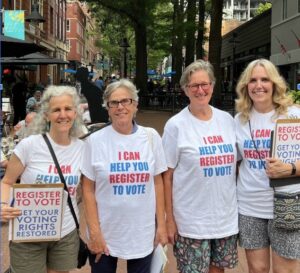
37,257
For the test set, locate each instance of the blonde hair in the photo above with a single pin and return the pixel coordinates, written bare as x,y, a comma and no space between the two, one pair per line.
39,125
281,100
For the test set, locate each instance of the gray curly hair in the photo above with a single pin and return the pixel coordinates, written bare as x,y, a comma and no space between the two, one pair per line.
39,125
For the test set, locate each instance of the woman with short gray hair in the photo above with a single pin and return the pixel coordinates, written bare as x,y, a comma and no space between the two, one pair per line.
122,186
200,190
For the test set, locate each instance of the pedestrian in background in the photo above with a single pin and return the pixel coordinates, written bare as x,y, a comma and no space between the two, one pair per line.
59,118
93,96
262,99
100,83
33,103
122,187
19,91
200,183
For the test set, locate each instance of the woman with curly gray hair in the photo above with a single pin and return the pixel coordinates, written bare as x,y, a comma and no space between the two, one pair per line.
60,119
262,100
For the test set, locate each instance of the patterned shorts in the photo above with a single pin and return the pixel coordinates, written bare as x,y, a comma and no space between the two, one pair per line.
195,256
256,233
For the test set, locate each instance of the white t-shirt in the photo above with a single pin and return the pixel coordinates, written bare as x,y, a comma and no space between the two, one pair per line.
203,155
255,196
34,154
123,168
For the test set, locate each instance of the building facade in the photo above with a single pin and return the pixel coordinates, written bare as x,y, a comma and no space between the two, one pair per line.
51,35
241,10
76,26
285,39
81,37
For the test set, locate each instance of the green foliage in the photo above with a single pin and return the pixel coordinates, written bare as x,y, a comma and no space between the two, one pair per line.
113,26
295,95
262,7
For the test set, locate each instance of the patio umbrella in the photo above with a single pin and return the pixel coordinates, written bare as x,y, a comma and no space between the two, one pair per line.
169,74
69,70
11,47
151,72
33,58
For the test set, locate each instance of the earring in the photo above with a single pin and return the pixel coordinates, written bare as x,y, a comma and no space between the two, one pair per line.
48,126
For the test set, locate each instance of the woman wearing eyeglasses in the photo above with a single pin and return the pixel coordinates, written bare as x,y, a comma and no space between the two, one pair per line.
123,187
200,186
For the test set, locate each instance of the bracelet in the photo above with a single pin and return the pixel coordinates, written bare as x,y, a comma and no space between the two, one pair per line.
3,203
293,169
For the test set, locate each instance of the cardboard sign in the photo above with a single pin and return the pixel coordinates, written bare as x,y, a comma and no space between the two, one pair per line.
286,147
42,211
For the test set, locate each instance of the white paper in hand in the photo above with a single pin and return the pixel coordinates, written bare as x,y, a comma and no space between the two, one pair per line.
159,260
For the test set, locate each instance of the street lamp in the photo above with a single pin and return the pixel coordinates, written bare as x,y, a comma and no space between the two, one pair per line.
234,41
124,45
35,17
130,64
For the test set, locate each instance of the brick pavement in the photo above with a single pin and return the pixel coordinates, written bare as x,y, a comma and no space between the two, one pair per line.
157,120
147,118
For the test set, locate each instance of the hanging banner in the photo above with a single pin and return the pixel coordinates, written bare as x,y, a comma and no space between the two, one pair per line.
14,24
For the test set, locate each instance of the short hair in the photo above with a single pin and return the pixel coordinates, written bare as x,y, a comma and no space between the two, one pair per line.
122,83
280,98
40,125
196,66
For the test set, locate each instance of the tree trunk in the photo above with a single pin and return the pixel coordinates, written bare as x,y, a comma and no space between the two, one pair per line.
190,32
177,40
215,45
140,30
201,30
141,58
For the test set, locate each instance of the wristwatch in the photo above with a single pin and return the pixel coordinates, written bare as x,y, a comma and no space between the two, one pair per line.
293,169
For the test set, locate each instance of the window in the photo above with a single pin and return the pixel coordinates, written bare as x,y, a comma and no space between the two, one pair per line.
284,9
51,20
68,25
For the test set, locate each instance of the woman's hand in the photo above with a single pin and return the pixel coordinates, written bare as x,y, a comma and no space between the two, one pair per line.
161,236
275,168
97,245
172,230
7,213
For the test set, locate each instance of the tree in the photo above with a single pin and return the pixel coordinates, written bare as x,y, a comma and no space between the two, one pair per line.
200,30
177,38
190,28
262,7
215,45
138,14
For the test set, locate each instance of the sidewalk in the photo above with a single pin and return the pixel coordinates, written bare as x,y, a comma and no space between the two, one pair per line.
156,120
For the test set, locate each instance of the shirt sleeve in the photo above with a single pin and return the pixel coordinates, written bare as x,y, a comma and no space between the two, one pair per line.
159,155
170,146
87,168
22,150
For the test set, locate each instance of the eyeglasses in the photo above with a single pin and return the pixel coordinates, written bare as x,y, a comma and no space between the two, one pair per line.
195,87
123,102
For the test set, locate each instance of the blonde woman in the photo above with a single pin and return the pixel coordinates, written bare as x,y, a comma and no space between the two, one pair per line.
262,99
